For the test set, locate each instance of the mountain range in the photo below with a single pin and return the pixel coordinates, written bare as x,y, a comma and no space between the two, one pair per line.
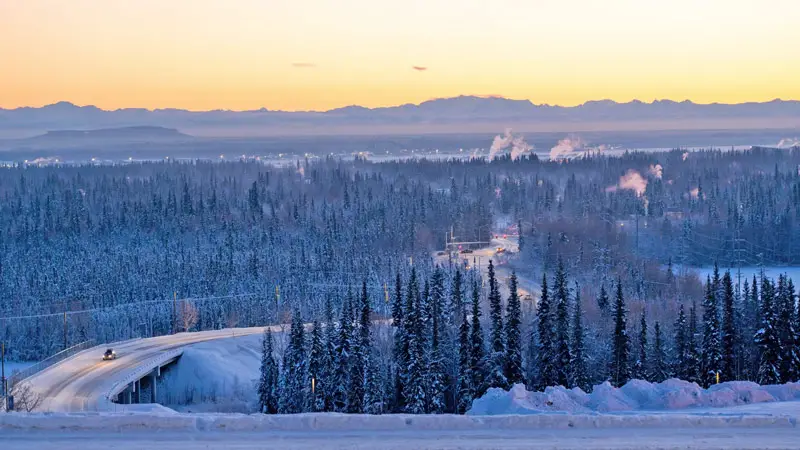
456,114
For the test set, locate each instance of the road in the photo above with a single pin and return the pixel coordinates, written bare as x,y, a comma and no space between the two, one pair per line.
479,258
81,383
617,438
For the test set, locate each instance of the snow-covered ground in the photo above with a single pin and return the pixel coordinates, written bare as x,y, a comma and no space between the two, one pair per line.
637,395
323,431
215,376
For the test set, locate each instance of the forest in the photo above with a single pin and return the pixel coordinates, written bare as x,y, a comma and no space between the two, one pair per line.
109,252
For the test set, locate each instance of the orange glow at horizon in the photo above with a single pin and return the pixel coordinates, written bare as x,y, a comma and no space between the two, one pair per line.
318,54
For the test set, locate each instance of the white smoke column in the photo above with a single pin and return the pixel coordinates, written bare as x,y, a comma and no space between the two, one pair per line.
695,193
517,143
685,155
633,181
500,143
302,172
519,147
656,170
566,147
789,143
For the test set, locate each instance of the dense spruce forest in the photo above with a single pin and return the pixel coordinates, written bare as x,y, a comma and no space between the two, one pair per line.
110,252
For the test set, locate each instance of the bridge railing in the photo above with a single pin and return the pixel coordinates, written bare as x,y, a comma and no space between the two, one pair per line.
18,377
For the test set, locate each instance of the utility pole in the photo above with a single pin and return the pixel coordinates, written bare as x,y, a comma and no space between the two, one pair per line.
65,330
3,383
174,312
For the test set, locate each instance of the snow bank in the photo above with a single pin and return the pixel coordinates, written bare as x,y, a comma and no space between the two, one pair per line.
153,421
636,395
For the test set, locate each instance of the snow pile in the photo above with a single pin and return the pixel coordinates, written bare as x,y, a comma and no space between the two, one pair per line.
636,395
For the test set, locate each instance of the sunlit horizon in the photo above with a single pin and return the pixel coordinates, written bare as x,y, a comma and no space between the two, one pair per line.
313,55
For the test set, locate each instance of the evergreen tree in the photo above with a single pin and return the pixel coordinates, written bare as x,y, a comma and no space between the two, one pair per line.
465,375
602,300
477,346
414,385
711,355
681,346
293,385
400,347
580,370
316,359
563,356
341,379
495,312
548,372
620,371
328,370
436,381
767,337
640,367
729,337
361,347
268,382
494,364
660,369
794,353
693,353
513,356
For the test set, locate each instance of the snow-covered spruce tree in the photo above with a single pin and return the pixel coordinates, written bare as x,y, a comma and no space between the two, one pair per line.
268,381
693,352
436,377
767,337
563,356
477,345
602,301
341,377
513,344
620,369
294,375
464,400
784,303
580,370
659,367
495,362
681,368
711,362
640,366
414,386
794,366
328,369
548,373
460,342
374,399
399,347
316,358
361,348
729,335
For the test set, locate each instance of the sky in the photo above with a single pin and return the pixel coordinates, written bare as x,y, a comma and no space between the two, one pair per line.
322,54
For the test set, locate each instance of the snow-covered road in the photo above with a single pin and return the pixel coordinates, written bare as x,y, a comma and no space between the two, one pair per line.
616,438
82,383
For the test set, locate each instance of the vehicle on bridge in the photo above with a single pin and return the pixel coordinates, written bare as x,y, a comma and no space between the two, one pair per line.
109,355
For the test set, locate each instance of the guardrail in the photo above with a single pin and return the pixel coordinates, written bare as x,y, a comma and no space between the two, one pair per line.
48,362
141,371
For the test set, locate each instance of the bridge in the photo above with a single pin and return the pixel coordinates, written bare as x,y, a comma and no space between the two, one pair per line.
85,382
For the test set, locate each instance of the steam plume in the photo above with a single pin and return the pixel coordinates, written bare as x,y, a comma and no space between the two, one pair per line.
656,170
631,181
517,144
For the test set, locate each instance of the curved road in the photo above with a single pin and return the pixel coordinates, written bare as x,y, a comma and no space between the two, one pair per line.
82,382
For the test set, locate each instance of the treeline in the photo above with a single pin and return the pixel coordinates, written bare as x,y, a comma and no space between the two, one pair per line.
442,351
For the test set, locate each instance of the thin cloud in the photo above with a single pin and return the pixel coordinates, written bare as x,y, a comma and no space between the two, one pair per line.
303,65
419,68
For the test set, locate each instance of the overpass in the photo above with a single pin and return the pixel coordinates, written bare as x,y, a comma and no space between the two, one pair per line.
84,382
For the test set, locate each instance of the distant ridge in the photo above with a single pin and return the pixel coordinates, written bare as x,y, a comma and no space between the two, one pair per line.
127,133
456,113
